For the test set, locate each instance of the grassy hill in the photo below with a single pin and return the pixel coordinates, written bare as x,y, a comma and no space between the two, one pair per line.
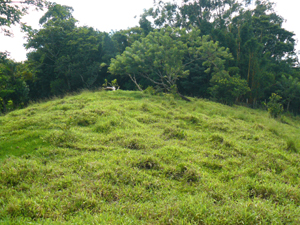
131,158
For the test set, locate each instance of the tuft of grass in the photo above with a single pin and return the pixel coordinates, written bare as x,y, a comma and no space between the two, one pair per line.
134,143
217,138
291,145
175,133
147,163
60,138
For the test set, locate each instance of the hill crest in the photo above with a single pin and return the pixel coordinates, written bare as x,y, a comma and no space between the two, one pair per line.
99,155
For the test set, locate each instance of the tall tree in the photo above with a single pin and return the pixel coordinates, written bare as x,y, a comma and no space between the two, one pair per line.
263,45
66,57
47,45
263,51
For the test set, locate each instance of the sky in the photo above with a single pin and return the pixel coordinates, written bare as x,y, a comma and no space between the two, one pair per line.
120,14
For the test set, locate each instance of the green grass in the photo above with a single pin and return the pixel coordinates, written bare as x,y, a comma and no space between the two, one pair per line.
131,158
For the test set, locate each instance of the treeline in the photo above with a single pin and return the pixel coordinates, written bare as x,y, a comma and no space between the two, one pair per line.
217,49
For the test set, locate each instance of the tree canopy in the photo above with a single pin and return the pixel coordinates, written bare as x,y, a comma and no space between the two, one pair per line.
221,50
11,12
162,56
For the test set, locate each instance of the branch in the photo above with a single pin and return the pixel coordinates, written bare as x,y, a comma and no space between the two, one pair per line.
153,81
134,81
16,2
183,97
13,2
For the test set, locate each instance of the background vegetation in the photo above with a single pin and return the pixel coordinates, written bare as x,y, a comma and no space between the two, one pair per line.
219,50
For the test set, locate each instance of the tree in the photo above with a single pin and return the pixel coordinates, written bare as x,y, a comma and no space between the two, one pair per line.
11,12
228,89
262,50
206,15
125,38
13,88
66,57
162,56
289,90
265,50
48,45
157,58
274,106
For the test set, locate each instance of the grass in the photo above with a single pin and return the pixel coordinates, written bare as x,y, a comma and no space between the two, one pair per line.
131,158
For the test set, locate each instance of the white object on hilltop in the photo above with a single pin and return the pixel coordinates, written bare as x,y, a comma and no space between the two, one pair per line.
113,88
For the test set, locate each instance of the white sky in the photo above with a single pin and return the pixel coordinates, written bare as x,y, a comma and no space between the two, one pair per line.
107,15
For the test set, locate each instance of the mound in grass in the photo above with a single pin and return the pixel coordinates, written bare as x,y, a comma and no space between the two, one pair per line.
131,158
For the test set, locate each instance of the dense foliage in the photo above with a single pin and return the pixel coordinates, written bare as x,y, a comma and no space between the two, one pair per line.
222,50
13,88
263,51
162,56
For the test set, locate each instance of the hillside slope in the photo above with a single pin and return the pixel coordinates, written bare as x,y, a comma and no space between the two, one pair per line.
130,158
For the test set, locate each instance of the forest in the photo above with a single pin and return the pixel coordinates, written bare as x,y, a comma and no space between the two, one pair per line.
220,50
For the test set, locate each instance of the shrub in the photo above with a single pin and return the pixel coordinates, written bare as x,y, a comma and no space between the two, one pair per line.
227,89
150,90
274,107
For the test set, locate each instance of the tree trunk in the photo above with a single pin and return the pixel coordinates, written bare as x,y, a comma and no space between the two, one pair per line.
134,81
249,66
288,106
183,97
4,106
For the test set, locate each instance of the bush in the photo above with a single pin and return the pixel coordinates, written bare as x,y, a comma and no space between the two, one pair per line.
274,107
150,90
227,89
